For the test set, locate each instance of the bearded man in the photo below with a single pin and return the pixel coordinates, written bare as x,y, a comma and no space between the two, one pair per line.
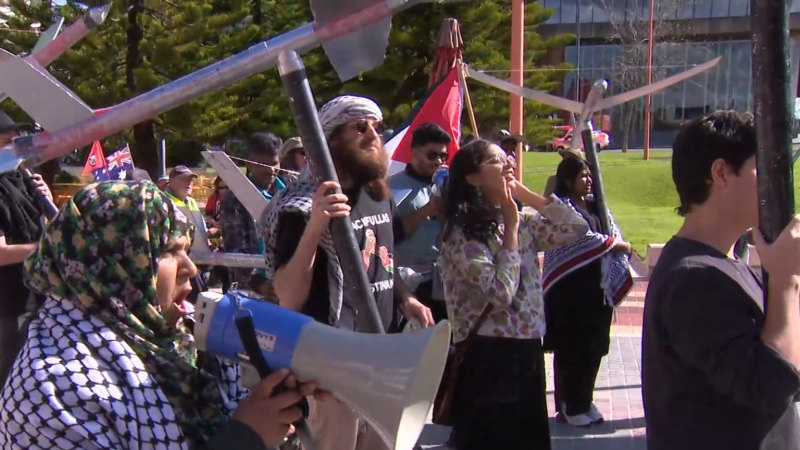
302,259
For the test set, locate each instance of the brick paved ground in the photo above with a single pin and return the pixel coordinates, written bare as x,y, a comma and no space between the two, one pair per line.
617,393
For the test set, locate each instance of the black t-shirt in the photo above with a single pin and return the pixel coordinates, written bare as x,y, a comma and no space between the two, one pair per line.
376,226
15,294
708,380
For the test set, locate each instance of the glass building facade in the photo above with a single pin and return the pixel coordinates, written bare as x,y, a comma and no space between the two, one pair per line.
726,86
602,11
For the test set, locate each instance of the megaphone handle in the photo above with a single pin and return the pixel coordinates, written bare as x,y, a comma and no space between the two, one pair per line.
247,334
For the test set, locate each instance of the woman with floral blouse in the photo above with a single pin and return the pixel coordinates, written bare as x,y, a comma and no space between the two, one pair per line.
489,256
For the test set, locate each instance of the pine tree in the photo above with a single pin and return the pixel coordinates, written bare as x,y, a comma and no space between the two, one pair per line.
403,77
147,43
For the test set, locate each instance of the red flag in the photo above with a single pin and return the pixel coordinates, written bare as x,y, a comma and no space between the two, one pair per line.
443,107
96,159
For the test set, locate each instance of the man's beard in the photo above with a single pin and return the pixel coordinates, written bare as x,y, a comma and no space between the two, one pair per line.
367,170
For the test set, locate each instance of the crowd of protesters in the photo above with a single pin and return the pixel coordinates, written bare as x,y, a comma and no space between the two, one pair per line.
96,345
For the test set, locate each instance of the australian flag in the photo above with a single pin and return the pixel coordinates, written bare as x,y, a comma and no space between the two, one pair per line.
117,166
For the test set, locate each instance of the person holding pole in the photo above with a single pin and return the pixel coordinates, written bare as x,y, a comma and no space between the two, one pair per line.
302,260
20,228
720,360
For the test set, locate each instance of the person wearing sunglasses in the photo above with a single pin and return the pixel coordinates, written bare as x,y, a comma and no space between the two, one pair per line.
419,211
293,155
303,261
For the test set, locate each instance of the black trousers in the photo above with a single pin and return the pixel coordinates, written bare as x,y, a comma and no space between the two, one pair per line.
500,400
574,377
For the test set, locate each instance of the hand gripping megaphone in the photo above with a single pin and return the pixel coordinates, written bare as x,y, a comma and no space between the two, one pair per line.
388,379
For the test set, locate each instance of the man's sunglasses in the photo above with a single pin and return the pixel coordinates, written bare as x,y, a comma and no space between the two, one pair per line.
361,126
437,156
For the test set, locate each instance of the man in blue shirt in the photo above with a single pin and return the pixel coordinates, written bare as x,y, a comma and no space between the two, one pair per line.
418,211
239,231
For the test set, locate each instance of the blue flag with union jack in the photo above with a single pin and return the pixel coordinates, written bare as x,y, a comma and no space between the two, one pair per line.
117,166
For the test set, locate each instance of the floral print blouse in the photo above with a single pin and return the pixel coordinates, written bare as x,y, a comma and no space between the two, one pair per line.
475,273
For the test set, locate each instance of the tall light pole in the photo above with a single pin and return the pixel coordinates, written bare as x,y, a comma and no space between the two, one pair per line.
517,49
649,101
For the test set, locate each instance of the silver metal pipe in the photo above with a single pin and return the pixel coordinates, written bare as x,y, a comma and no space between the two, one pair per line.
43,147
71,35
162,157
589,107
242,260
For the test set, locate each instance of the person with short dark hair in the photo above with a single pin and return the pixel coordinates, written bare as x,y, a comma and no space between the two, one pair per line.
429,133
239,230
720,361
419,210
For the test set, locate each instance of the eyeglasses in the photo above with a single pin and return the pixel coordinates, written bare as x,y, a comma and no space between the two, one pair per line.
361,126
434,156
498,158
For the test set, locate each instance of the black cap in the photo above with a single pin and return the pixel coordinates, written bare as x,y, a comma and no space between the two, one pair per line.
7,124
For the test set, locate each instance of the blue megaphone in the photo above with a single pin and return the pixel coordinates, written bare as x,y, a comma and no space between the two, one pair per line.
389,379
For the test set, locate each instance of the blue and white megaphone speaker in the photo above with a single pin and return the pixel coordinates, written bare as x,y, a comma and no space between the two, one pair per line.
390,380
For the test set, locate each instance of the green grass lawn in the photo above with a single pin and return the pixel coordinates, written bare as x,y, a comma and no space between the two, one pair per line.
640,193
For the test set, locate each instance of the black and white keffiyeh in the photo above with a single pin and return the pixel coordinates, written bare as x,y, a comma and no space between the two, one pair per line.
346,108
298,198
76,384
616,280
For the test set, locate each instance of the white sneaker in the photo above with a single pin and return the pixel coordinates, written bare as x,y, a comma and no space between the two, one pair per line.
594,415
579,420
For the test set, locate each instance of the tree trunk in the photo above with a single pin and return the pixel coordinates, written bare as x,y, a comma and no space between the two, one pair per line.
145,148
627,121
258,16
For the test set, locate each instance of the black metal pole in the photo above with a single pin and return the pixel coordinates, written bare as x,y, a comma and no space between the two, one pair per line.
597,178
773,114
304,110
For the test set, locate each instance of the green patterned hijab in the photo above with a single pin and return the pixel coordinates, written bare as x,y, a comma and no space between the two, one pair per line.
102,253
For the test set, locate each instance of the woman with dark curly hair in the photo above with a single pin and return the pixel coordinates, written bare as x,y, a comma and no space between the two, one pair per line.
489,263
